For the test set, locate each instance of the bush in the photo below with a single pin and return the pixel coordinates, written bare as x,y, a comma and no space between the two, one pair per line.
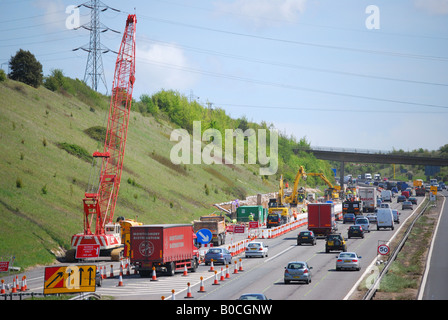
76,150
2,75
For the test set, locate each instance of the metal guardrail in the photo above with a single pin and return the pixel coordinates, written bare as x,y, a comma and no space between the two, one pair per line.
372,290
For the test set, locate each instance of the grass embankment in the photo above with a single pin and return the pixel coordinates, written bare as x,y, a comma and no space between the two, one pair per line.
46,142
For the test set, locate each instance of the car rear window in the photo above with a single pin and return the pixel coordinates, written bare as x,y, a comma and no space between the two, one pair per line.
296,266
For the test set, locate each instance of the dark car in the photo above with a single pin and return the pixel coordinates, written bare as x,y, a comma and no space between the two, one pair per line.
220,255
355,231
349,217
335,241
407,205
401,199
306,237
413,200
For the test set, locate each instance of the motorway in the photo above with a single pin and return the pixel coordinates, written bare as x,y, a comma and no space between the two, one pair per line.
259,275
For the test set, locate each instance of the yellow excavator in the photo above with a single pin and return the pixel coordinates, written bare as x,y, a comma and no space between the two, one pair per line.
298,194
332,191
278,211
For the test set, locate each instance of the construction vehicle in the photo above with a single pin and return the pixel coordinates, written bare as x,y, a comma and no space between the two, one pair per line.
332,191
278,205
216,224
297,196
125,226
101,196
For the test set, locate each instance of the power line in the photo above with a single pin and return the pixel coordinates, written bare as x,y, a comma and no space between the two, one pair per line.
288,86
292,66
302,43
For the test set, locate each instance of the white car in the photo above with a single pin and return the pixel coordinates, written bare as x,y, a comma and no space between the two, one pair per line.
348,260
256,249
363,222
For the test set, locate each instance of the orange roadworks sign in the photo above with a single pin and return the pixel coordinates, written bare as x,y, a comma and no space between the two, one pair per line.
70,279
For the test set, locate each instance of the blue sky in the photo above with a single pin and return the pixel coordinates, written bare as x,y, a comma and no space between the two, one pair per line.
310,67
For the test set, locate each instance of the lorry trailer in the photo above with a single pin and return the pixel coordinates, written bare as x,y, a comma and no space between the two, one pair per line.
166,247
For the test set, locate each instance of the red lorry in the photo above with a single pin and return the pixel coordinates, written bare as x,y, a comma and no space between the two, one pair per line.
321,218
167,247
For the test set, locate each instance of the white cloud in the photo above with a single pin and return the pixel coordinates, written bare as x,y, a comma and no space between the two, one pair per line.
160,66
263,13
54,14
438,7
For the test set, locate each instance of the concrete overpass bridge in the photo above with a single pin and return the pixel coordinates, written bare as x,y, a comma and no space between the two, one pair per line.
371,156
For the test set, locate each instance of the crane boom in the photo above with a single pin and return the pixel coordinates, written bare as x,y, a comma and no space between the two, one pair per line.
104,183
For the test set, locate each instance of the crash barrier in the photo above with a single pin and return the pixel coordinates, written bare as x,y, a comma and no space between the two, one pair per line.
239,247
284,228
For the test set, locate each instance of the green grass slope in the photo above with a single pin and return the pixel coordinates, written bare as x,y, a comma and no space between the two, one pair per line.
45,167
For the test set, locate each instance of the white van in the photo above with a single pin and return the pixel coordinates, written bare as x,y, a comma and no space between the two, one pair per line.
396,216
386,195
385,219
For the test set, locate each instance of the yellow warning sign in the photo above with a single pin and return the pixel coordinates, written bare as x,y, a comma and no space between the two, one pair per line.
70,279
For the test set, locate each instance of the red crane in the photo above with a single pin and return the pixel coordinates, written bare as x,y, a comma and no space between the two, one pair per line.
104,182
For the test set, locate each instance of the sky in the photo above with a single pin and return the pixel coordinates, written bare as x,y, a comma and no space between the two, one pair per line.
345,74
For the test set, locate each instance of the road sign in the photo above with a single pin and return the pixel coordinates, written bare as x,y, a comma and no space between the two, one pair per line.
204,236
4,266
238,229
84,251
253,224
433,190
69,279
383,249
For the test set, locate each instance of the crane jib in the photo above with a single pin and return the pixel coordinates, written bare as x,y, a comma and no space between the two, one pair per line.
101,195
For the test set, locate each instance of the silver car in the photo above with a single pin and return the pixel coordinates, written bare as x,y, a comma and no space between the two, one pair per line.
256,249
363,222
297,271
348,260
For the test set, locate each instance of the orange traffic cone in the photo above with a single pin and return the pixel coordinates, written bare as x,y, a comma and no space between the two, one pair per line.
3,290
227,272
222,275
14,289
216,279
154,278
120,281
201,288
23,287
111,271
185,270
212,268
236,268
241,265
189,295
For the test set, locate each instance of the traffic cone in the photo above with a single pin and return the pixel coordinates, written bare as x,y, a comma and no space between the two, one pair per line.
14,289
17,283
241,265
236,268
227,272
216,279
23,287
172,295
128,269
185,270
120,281
3,290
111,271
154,278
189,295
222,275
201,288
103,272
212,268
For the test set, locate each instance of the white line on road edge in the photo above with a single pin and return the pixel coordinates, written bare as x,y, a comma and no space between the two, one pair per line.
282,252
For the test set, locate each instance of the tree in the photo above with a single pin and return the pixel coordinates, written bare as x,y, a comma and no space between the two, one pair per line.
25,68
